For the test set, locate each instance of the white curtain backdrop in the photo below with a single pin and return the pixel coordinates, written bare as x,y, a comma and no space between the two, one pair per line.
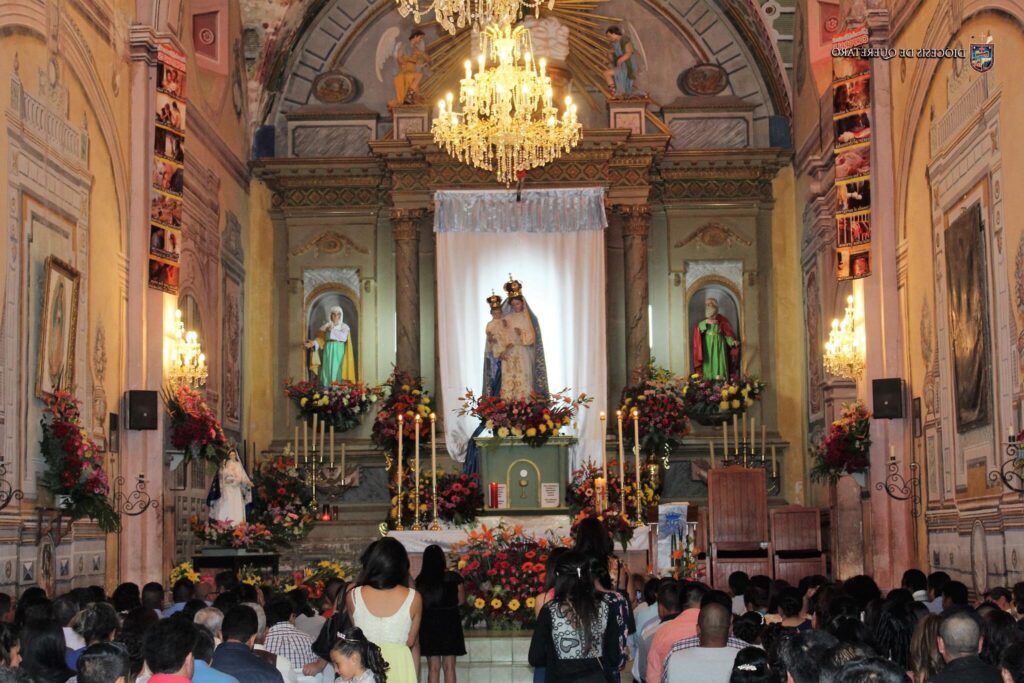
553,242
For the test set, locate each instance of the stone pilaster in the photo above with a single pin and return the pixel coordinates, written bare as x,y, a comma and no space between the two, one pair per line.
406,226
636,224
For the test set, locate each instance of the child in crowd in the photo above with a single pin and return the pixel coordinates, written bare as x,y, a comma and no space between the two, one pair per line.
357,660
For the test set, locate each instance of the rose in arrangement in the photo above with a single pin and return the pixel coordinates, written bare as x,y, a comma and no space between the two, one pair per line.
224,534
533,421
503,570
844,448
195,429
459,497
407,397
281,502
659,400
582,499
74,467
341,404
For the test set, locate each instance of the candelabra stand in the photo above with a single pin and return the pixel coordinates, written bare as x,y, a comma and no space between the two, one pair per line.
321,474
136,501
7,491
898,487
1011,471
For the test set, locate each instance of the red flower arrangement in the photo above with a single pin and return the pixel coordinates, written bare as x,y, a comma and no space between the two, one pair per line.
282,503
503,570
195,429
74,466
341,404
659,401
533,421
407,397
844,449
224,534
581,497
460,497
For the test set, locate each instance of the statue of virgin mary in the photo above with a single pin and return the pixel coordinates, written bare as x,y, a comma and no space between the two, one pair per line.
524,372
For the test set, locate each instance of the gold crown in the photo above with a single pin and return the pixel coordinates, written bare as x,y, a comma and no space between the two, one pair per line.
494,301
514,288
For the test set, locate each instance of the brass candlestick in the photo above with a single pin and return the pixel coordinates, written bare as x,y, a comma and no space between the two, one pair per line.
416,526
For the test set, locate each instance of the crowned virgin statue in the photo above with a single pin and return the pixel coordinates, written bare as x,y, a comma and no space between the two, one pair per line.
231,491
330,356
514,366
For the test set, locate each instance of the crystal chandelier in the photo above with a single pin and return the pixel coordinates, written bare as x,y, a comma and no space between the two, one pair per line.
453,15
844,355
188,362
508,121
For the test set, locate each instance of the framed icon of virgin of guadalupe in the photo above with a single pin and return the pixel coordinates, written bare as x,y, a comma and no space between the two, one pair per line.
55,365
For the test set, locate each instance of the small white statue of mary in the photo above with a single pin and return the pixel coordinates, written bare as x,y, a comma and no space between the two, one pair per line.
231,492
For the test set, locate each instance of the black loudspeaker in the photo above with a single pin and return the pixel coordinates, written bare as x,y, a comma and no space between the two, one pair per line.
263,143
887,395
142,409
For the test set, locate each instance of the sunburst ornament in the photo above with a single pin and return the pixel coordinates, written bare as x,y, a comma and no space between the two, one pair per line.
453,15
508,123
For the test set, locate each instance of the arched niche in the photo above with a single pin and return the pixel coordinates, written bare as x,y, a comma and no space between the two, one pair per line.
730,305
318,307
191,316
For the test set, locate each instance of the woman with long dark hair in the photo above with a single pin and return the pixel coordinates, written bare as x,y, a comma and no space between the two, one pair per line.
576,635
441,637
42,651
386,609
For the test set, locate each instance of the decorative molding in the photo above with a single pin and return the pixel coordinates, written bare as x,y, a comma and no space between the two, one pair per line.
729,271
330,242
206,136
714,235
316,278
99,370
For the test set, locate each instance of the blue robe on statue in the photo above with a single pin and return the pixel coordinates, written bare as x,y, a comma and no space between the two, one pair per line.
213,495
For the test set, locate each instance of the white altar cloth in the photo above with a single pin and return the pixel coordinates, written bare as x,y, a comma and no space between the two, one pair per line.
537,526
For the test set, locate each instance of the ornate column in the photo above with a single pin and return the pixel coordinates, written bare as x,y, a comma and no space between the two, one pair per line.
636,224
406,227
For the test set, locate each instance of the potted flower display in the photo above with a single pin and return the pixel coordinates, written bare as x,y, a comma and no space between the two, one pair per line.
713,401
659,400
340,404
582,497
405,396
845,447
74,468
532,421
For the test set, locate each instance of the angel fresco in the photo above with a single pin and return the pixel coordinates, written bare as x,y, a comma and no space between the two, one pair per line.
409,61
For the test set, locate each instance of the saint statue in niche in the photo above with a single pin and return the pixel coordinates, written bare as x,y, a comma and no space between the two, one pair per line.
716,348
329,350
231,491
514,366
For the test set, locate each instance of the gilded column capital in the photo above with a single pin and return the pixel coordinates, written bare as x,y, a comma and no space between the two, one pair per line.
405,223
636,219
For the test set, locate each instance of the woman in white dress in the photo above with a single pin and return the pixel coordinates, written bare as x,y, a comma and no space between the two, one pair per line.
386,609
235,491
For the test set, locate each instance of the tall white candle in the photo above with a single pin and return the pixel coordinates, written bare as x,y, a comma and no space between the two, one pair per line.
295,450
332,445
401,437
305,441
322,435
604,461
416,477
636,461
433,461
622,467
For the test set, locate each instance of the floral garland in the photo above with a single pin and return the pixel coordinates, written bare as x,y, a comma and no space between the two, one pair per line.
581,498
503,571
195,429
533,422
74,467
460,497
660,403
407,397
184,571
844,449
711,401
224,534
341,404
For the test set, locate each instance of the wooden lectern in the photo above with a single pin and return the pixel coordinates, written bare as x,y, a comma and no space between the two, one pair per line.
738,523
796,535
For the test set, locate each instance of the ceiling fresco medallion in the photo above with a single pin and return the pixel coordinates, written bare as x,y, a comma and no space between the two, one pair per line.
334,87
703,79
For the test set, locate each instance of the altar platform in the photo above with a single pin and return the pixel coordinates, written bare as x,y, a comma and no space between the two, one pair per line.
638,556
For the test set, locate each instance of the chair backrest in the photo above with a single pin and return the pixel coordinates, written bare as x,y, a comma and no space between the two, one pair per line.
737,507
796,528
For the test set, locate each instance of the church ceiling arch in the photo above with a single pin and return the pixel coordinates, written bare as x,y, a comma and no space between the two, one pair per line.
317,37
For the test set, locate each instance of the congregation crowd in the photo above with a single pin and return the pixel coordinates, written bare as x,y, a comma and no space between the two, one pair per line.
595,624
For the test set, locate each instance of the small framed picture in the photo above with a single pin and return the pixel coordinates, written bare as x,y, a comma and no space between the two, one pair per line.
916,415
113,433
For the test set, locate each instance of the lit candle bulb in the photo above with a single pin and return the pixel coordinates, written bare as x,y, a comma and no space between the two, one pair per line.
469,69
481,60
543,64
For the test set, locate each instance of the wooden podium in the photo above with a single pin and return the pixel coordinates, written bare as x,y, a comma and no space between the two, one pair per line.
533,478
738,523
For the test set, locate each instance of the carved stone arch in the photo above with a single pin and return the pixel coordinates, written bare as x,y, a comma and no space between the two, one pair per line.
940,33
31,16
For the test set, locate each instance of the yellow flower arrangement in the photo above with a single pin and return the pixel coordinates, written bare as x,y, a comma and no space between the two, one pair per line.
184,571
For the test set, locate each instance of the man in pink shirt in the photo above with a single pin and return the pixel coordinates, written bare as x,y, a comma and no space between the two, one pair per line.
167,649
682,627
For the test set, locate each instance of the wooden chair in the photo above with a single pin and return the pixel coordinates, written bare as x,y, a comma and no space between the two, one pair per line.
738,523
796,536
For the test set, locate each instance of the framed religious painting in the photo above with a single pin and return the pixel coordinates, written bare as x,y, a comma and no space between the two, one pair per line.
55,365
